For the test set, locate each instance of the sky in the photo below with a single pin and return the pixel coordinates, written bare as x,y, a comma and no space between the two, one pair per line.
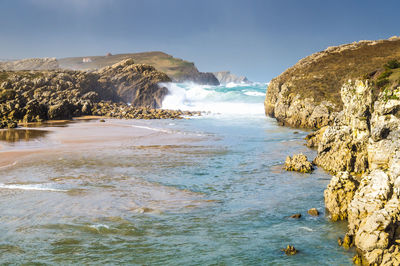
255,38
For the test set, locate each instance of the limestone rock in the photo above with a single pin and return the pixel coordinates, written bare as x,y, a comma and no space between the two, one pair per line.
298,163
339,194
296,97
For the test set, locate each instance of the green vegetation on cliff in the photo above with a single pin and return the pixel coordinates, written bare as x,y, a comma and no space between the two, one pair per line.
319,78
177,69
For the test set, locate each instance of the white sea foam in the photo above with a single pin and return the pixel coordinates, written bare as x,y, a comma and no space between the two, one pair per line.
254,93
306,228
99,226
153,129
39,187
231,99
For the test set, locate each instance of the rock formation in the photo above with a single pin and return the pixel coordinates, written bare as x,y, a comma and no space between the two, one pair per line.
362,147
351,94
308,94
298,163
225,77
34,96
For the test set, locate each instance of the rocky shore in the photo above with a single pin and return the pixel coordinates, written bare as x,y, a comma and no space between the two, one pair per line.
362,149
124,90
307,95
358,140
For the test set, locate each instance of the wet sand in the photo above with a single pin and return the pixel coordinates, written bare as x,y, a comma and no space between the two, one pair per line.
17,144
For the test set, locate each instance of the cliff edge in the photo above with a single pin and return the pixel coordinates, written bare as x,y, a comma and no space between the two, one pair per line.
308,94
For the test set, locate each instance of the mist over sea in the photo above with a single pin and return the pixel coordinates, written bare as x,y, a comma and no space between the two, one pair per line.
200,191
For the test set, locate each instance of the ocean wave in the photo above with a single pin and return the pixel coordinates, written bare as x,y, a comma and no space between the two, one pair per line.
39,187
243,99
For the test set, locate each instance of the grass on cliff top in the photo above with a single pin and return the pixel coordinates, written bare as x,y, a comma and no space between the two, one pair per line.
322,79
173,67
386,80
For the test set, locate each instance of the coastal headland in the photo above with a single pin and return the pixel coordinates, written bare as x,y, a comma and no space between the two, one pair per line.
351,95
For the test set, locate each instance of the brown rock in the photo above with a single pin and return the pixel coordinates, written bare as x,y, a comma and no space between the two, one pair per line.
290,250
313,212
296,216
298,163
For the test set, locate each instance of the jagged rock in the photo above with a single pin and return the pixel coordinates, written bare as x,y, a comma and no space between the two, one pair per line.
348,241
290,250
296,97
339,194
136,84
313,212
8,124
371,196
343,146
60,111
298,163
35,96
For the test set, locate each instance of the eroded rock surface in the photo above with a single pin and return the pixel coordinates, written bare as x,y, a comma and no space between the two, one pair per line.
308,94
362,147
298,163
35,96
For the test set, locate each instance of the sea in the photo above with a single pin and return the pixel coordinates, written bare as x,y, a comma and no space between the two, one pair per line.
204,190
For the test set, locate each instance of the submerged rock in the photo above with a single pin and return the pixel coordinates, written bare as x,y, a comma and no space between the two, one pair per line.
298,163
296,216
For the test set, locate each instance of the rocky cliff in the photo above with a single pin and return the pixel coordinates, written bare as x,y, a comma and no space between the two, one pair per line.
362,149
308,94
34,96
225,77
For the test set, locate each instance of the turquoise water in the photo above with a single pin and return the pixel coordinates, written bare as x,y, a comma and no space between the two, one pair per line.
212,194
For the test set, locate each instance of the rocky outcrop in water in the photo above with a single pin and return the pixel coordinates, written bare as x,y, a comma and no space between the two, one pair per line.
136,84
35,96
308,94
298,163
362,147
30,64
225,77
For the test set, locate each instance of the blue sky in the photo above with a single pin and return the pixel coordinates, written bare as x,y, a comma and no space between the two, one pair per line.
256,38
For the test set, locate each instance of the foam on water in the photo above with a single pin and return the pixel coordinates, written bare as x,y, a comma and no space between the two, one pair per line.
230,99
39,187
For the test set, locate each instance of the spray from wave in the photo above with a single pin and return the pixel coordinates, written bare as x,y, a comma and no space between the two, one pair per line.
230,99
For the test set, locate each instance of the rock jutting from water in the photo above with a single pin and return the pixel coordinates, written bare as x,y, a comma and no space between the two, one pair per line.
362,147
351,94
290,250
298,163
